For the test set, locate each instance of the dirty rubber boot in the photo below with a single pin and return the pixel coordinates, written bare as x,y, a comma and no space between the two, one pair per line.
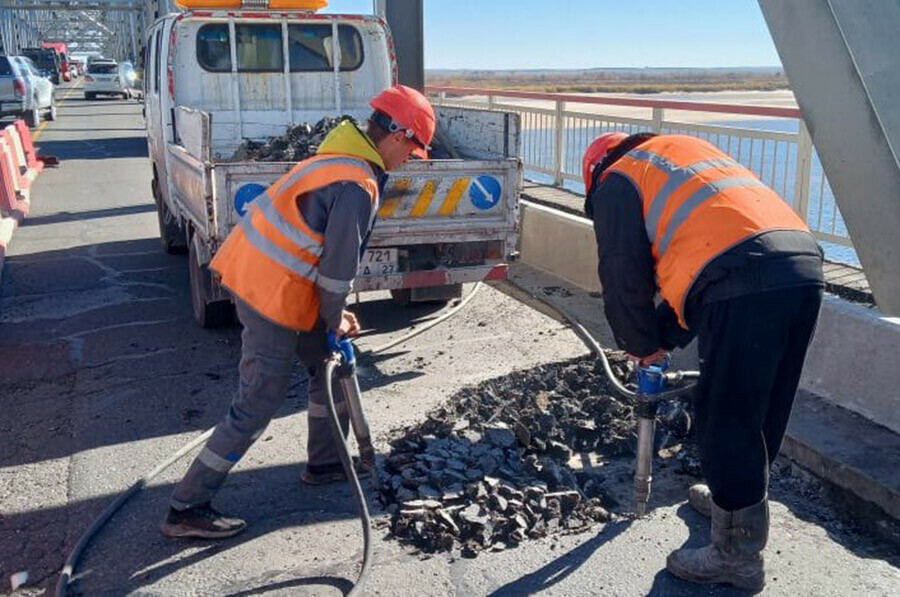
734,556
200,521
324,474
700,499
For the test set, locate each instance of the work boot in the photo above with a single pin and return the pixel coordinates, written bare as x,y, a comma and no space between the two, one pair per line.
734,556
200,521
700,498
323,474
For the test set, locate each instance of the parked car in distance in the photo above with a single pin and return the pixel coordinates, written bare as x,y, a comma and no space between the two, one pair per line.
47,60
24,93
103,78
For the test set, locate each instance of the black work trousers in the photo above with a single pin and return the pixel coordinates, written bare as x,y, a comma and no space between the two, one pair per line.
751,352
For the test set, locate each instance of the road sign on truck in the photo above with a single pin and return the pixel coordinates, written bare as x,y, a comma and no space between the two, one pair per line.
214,79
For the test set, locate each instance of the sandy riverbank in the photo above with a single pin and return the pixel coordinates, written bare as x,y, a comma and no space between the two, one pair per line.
782,99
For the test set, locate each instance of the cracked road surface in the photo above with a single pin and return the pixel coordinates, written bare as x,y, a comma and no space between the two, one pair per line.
103,374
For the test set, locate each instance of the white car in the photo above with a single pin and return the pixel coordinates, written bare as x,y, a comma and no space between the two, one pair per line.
104,78
24,93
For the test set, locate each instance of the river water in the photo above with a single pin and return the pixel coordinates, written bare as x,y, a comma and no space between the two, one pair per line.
774,162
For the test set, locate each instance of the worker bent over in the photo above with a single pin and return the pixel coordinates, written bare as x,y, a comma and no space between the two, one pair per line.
735,266
290,265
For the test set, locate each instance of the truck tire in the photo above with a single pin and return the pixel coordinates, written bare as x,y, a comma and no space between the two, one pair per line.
33,116
171,233
208,313
90,96
51,113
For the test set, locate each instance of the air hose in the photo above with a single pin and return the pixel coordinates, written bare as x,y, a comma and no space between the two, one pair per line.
352,477
65,577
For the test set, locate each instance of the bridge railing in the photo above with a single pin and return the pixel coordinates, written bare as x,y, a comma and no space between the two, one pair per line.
772,141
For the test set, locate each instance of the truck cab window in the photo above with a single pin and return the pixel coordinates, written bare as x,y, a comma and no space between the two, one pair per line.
259,48
310,49
213,52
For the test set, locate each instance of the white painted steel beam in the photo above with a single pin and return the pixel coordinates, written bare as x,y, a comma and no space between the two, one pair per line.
841,59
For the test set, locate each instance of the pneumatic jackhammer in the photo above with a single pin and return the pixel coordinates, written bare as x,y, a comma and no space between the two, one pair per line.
341,364
651,390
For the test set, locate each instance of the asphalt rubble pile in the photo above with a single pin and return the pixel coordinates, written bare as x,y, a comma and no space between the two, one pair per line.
298,143
517,457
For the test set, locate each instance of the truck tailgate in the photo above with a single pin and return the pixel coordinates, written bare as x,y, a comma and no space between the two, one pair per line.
439,201
424,202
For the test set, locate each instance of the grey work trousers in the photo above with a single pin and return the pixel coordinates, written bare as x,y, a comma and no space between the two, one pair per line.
267,360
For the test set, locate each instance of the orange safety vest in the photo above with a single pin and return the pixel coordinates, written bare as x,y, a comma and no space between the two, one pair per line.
270,260
698,203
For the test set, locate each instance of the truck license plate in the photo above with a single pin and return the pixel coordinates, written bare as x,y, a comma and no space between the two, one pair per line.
378,262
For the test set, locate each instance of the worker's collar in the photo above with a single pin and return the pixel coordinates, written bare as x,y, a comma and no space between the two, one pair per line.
346,138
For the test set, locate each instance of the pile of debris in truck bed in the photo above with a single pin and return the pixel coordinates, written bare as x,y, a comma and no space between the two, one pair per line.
517,457
298,143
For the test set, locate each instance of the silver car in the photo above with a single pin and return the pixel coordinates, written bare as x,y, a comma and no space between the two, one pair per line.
24,92
103,77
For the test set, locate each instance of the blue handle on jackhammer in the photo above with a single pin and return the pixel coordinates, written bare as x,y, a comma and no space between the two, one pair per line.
344,346
651,379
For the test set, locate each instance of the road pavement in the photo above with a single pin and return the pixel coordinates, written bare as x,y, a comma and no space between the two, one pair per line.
103,374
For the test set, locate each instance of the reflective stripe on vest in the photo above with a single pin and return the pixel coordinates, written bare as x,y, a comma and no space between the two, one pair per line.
270,260
697,202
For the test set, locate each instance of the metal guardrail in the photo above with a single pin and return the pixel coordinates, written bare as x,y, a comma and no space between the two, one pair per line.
555,133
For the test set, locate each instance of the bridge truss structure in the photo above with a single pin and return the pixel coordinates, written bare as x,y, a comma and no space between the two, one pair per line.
109,28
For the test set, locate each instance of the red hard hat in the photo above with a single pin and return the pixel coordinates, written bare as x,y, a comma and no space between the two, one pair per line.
595,153
411,111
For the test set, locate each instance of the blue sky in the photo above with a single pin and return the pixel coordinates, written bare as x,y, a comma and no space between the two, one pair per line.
504,34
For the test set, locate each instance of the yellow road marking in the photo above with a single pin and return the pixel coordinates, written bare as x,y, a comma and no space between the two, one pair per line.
393,197
40,129
424,200
453,195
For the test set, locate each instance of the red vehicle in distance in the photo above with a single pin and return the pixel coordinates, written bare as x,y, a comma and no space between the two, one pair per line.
63,52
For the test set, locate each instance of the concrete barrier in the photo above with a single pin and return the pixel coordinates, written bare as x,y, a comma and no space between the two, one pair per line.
14,202
559,243
853,361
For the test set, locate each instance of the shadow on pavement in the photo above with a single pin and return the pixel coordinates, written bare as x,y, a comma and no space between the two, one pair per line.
72,216
99,148
552,573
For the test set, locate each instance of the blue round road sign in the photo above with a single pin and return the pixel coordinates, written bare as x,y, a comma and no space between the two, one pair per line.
245,195
485,192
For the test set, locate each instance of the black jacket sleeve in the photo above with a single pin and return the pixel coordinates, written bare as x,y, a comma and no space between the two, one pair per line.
626,265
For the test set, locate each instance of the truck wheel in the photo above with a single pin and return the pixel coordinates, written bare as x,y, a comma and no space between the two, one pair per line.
33,116
171,232
90,97
51,113
207,313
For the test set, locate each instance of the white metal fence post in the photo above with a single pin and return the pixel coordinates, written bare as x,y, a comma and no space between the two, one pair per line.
658,115
803,172
559,152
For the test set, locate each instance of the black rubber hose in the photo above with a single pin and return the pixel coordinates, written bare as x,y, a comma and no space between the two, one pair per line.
350,470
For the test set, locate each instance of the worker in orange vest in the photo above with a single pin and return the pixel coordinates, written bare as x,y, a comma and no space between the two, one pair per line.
290,264
734,265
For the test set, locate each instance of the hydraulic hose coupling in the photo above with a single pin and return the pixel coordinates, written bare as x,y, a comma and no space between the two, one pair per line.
342,349
651,381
